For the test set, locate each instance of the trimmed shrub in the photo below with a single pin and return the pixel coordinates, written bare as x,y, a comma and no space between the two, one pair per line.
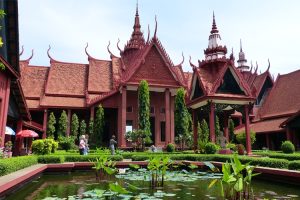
45,146
51,159
294,165
291,157
287,147
89,158
170,147
66,143
210,148
241,137
16,163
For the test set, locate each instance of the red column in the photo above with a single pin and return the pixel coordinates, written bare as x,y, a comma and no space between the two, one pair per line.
4,110
195,128
19,140
268,141
289,134
167,113
122,118
172,128
247,130
226,132
92,112
69,123
45,122
212,123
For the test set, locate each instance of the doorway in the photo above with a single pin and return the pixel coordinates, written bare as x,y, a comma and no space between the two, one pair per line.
152,129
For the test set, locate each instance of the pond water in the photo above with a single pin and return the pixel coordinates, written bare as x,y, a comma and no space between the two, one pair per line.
178,185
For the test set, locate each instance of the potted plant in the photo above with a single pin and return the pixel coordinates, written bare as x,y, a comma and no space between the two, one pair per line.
8,148
241,149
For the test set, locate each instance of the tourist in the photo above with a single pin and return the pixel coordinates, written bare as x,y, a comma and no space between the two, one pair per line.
112,143
153,148
86,148
82,145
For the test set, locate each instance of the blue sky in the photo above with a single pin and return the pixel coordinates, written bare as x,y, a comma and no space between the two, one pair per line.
268,29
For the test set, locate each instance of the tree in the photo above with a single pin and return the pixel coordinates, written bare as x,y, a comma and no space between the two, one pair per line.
82,130
205,130
217,129
62,124
97,136
51,125
91,127
181,116
74,125
231,130
241,137
144,111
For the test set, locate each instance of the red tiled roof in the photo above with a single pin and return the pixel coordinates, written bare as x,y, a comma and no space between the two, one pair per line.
284,97
188,77
52,101
271,125
67,79
33,79
100,76
33,104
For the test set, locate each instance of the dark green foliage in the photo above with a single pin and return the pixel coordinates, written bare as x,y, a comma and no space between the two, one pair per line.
290,157
44,146
51,125
231,130
62,124
91,127
181,114
217,129
74,125
241,137
170,147
294,165
97,136
16,163
287,147
205,130
66,143
144,109
82,127
90,158
210,148
51,159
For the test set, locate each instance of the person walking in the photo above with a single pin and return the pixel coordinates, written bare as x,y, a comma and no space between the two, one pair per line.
112,143
82,145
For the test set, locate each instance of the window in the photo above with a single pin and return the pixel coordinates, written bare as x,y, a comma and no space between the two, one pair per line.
129,125
129,109
152,110
162,110
163,131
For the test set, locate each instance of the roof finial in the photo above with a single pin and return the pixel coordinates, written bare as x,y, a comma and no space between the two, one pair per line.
241,48
148,34
231,55
192,65
111,54
22,51
155,27
214,28
137,8
48,52
119,47
269,65
32,51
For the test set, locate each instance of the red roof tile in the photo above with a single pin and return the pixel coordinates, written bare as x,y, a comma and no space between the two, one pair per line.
271,125
67,79
100,76
51,101
33,80
284,97
33,104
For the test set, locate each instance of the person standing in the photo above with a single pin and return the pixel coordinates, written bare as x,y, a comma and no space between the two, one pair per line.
112,143
82,145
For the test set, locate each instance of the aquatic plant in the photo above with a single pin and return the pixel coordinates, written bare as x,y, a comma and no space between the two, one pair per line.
104,166
236,180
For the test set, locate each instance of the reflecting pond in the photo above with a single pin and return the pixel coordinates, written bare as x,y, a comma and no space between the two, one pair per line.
178,185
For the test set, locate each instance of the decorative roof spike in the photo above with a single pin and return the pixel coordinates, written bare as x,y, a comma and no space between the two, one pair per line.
85,49
137,8
241,48
121,52
155,27
269,65
192,65
48,52
148,34
232,55
180,64
22,51
111,54
214,28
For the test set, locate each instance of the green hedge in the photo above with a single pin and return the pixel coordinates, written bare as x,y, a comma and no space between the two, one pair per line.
16,163
291,157
51,159
88,158
294,165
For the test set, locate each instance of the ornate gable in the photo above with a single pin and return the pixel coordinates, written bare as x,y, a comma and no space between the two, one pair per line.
154,69
229,84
